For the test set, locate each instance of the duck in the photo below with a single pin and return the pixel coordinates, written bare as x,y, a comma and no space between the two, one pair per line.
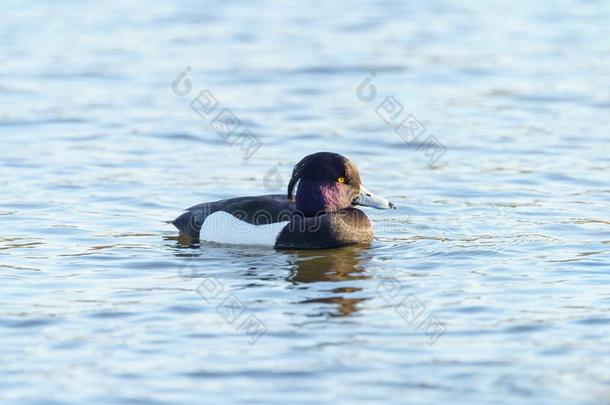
317,212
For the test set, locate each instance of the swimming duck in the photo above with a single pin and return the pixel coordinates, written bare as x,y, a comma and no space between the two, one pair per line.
317,212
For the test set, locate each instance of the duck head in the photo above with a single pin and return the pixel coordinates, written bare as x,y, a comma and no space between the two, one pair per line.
330,182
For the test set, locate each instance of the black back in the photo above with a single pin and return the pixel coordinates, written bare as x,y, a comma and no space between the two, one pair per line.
327,230
260,210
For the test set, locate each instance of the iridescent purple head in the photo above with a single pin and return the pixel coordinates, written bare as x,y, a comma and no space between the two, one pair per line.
329,182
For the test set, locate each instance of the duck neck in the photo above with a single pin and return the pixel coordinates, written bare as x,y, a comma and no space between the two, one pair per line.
316,197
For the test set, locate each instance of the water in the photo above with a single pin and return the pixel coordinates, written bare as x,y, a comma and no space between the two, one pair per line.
503,241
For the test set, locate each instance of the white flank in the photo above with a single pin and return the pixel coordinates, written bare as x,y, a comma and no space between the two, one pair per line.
222,227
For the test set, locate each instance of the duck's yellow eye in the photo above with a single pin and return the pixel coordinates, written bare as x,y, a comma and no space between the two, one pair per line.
341,179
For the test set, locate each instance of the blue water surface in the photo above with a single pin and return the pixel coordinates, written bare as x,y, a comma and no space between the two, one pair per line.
488,284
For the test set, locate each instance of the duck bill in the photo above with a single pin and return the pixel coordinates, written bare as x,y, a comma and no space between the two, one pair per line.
368,199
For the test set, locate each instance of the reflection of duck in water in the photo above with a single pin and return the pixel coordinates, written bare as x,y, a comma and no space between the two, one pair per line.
334,265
